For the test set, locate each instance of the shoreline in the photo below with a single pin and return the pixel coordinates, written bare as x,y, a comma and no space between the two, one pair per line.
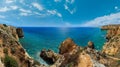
70,54
70,51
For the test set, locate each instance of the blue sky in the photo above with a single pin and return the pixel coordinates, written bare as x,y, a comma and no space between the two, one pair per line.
60,13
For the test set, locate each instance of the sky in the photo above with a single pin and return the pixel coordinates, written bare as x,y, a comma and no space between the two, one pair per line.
59,13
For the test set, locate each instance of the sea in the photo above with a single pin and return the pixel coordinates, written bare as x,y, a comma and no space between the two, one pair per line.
38,38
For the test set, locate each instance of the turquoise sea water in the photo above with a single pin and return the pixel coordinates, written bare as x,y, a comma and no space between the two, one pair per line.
37,38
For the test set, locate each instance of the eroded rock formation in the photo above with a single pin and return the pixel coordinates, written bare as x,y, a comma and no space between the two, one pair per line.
70,54
76,56
49,56
112,46
67,46
20,32
10,46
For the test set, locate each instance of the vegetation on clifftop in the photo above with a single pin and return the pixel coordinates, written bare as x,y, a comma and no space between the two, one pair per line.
10,62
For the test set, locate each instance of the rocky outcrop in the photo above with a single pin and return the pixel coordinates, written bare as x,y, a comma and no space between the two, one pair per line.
20,32
49,56
70,54
67,46
69,50
91,44
52,58
10,46
112,46
76,56
109,27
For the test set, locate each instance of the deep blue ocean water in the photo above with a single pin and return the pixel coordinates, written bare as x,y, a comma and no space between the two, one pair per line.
37,38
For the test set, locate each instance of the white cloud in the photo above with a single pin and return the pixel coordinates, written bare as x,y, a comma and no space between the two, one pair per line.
57,0
10,1
38,6
104,20
4,9
25,11
14,7
24,14
40,14
70,11
54,12
2,17
70,1
37,13
59,14
66,7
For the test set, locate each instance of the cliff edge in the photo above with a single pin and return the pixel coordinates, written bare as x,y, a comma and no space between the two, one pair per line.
72,55
112,46
12,54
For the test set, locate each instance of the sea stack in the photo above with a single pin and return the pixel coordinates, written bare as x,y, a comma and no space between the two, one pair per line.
20,32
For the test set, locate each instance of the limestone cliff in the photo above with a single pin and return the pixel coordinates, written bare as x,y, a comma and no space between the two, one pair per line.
112,46
72,55
11,49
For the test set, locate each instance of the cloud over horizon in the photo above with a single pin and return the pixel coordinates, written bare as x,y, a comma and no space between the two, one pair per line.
113,18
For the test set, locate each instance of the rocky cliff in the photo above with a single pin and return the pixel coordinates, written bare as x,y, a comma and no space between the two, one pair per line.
72,55
12,54
112,46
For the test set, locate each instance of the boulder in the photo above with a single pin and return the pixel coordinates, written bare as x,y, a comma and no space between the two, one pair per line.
91,44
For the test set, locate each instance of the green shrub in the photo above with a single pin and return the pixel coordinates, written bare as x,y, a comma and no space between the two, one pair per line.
71,64
13,50
5,25
5,50
10,62
36,62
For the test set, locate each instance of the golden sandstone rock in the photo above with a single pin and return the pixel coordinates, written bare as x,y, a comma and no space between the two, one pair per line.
10,46
112,47
67,46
